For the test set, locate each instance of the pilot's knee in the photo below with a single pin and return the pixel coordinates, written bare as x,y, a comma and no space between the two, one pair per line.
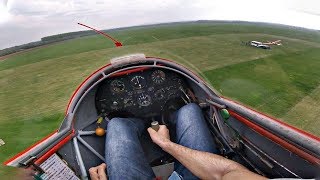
124,124
187,113
190,108
118,123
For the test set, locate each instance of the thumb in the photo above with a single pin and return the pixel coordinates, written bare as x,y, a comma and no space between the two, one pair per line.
104,165
151,131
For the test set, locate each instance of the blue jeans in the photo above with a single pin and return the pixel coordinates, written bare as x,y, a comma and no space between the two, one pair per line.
125,157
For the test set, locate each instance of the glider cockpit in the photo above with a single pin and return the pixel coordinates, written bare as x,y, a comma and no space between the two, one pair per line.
147,90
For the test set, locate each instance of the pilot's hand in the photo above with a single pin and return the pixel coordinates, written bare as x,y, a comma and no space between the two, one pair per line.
160,137
98,172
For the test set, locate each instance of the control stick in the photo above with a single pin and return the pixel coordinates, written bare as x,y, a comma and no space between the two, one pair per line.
155,125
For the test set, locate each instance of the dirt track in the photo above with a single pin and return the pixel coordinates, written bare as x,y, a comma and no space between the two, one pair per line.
2,58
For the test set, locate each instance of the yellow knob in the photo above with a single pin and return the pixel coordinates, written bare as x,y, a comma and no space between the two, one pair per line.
100,119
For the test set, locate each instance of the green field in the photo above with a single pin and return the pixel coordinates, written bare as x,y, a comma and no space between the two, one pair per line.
284,82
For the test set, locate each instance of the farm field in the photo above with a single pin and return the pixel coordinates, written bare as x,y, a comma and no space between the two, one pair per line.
35,86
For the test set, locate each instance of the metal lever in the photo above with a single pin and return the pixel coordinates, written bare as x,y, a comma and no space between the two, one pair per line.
30,162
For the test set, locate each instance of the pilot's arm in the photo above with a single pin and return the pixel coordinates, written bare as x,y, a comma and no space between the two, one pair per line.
202,164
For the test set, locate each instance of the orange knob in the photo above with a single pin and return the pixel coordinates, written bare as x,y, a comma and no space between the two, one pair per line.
100,131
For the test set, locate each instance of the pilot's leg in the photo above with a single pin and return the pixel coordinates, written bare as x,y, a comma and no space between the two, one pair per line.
192,132
125,158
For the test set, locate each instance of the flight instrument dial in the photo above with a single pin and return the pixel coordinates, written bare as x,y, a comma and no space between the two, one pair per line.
138,82
158,76
144,100
117,86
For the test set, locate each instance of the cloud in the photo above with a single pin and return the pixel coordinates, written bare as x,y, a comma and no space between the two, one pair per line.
4,14
38,7
38,18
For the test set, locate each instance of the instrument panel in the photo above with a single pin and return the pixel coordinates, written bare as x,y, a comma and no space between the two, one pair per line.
139,94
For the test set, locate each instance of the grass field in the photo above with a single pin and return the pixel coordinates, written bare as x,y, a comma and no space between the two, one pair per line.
284,82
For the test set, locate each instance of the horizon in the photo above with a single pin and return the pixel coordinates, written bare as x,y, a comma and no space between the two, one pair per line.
166,23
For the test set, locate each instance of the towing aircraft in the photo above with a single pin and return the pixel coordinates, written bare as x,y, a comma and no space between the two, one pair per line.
276,42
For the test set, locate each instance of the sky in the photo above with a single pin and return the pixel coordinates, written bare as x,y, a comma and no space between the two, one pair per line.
23,21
